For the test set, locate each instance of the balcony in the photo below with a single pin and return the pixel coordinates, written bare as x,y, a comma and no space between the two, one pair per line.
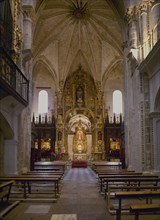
12,80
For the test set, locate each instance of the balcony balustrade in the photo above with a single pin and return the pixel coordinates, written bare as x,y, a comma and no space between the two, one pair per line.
12,80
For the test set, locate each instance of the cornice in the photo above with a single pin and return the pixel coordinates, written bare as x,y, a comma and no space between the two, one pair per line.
141,8
151,58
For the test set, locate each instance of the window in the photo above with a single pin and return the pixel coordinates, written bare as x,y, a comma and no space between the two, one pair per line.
43,102
117,102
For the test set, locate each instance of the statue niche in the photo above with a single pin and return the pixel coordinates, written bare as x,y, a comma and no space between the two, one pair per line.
79,140
80,96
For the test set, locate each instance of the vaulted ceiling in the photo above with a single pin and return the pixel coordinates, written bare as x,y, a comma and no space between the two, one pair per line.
69,33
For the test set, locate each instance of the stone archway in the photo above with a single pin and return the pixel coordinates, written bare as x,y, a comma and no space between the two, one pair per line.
155,116
6,143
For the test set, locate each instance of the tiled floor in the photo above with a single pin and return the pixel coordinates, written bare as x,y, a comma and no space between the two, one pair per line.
79,196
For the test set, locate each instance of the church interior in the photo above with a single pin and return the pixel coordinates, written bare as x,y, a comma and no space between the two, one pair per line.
79,106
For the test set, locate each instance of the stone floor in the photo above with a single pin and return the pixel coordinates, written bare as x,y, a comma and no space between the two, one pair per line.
79,197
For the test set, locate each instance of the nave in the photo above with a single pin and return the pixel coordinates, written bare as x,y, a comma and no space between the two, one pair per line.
79,195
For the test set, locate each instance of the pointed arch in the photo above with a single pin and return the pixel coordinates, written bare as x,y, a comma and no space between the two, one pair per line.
157,102
117,102
43,102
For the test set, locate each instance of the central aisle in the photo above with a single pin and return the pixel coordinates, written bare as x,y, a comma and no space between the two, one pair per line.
79,195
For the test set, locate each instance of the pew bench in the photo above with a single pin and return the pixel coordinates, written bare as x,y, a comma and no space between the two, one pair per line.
49,165
8,208
139,209
26,182
130,181
106,165
113,189
114,171
104,177
125,195
5,189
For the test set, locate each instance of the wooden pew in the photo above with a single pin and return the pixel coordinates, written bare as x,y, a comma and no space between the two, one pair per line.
45,172
116,172
107,178
113,189
42,173
26,181
107,165
105,169
5,189
133,194
49,165
126,179
103,178
138,209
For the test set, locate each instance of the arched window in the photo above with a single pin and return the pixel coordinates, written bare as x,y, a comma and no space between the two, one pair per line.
43,102
117,102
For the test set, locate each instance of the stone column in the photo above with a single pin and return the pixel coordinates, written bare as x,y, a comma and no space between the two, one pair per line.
155,141
10,154
154,24
27,25
144,29
132,27
25,118
27,31
131,17
143,22
1,151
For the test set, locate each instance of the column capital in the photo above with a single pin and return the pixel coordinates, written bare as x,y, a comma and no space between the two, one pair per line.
28,9
131,14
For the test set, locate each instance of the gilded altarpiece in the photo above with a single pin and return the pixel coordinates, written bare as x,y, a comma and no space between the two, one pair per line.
80,118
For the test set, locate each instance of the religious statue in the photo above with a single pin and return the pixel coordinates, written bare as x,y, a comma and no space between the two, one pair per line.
79,140
79,135
80,96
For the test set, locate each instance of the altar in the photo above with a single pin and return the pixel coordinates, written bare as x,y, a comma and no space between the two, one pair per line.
79,143
80,157
79,164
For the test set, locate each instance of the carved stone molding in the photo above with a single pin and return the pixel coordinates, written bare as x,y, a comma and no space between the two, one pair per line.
154,115
142,7
131,14
28,10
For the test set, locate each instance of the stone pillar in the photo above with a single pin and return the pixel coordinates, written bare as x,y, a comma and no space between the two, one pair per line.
131,17
143,22
25,140
10,154
27,24
27,31
144,30
1,151
154,24
133,34
155,141
132,27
